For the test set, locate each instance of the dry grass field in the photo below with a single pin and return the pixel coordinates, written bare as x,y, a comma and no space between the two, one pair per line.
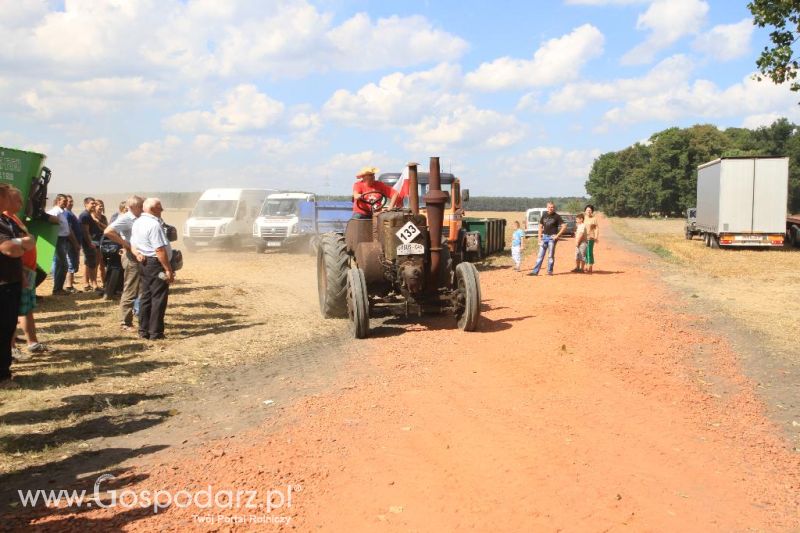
758,288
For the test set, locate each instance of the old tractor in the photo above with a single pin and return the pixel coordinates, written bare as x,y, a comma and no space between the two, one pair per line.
397,263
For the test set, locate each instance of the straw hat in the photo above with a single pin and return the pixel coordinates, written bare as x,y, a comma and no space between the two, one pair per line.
367,170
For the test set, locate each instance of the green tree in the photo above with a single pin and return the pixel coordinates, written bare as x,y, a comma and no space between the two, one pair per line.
777,61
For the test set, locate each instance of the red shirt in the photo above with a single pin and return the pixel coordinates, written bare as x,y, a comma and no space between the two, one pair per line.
361,187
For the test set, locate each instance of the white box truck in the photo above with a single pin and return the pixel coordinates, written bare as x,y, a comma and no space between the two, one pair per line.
223,217
741,201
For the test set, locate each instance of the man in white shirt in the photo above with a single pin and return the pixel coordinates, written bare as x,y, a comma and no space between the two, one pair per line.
65,240
151,247
119,231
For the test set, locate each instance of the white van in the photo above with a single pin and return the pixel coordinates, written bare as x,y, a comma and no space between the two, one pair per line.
223,217
277,224
532,217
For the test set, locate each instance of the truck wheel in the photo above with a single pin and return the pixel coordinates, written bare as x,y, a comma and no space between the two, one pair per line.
357,303
706,240
313,244
261,247
332,267
714,242
688,235
469,295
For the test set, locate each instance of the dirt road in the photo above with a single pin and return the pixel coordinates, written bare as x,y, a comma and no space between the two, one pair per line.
584,403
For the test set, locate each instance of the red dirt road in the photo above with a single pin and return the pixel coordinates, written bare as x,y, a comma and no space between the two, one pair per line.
579,406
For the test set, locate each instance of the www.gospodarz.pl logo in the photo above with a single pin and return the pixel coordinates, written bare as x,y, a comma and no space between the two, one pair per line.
159,500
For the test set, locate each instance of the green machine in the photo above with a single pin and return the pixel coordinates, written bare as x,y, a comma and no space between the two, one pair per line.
26,171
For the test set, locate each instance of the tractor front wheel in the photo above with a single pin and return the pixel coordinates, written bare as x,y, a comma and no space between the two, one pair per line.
469,295
358,303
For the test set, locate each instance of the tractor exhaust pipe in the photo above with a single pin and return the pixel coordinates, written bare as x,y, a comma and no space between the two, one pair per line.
434,203
413,188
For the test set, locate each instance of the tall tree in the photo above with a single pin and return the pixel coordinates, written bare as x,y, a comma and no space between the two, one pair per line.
777,61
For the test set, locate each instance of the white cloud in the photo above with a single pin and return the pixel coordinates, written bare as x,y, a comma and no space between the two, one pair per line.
397,98
87,148
726,41
556,61
703,98
422,105
548,168
668,21
243,108
149,155
604,2
48,99
671,72
462,128
763,119
202,38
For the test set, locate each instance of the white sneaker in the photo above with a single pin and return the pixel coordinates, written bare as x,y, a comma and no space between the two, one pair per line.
18,355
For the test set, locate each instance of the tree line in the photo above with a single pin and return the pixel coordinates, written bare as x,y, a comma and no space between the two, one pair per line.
660,176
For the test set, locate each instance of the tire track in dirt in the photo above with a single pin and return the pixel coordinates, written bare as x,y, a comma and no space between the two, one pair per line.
577,406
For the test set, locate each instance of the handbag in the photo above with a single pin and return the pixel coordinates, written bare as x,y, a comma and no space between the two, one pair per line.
176,261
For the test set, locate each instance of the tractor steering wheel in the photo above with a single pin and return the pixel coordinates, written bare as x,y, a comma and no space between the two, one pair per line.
373,204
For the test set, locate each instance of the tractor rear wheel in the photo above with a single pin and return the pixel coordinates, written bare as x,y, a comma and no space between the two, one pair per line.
469,294
332,267
358,303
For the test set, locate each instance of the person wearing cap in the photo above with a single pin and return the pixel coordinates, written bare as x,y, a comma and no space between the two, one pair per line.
369,190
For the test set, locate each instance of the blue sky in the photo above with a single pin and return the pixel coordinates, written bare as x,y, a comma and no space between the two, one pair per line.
518,98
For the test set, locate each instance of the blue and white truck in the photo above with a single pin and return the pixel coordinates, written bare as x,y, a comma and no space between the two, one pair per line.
293,220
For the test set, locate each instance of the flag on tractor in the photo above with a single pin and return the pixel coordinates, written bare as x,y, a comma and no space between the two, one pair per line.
402,185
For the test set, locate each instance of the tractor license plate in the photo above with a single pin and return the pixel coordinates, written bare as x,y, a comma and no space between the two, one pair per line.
412,248
273,244
408,232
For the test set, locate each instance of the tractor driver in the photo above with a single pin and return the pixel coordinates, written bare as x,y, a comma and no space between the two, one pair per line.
370,195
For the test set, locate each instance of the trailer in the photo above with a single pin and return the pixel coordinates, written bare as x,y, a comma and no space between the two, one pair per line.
26,171
491,234
320,217
741,201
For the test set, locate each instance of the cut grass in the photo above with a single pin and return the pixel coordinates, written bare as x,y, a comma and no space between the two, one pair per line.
757,288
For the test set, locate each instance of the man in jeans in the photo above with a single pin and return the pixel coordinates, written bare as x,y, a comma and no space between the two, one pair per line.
74,253
119,231
152,249
65,240
551,226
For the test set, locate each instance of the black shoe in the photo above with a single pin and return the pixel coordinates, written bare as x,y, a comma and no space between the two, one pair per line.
533,273
549,273
159,337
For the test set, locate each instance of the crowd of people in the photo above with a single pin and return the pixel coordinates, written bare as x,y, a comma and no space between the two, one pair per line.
129,254
551,229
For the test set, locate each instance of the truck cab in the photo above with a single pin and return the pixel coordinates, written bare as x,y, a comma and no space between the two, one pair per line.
223,217
277,224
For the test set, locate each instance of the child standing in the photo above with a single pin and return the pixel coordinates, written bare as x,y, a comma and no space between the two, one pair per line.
516,245
580,243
